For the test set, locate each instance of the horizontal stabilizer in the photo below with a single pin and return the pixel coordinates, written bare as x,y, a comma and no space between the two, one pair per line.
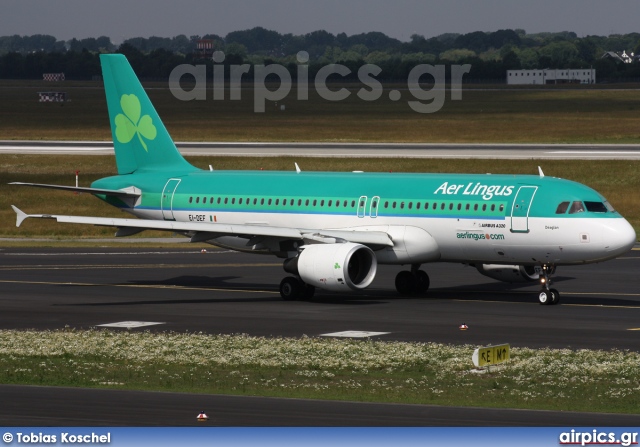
106,192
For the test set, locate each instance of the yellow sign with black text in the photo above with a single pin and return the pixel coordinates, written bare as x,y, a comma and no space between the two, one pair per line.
490,355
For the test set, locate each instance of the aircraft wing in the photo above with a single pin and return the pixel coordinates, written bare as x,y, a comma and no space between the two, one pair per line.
205,230
130,193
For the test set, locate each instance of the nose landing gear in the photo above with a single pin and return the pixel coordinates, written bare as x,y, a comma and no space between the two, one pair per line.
548,295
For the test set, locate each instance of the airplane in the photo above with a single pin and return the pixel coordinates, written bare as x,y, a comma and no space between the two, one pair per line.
333,229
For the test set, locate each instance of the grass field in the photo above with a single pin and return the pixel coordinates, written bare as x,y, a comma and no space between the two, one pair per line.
502,115
322,368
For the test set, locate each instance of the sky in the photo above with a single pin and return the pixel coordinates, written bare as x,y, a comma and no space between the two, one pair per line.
123,19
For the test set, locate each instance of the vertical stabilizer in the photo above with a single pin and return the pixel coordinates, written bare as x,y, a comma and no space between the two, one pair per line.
140,140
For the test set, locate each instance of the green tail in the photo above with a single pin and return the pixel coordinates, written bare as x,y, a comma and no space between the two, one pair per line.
140,140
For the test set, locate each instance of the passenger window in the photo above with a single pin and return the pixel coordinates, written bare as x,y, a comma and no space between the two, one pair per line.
417,205
493,207
269,203
330,203
233,201
306,202
261,201
501,208
386,204
190,199
344,204
299,202
484,207
240,201
322,203
410,205
401,205
475,207
562,208
255,201
459,206
576,207
442,206
394,205
315,201
353,204
450,206
467,207
226,200
197,199
435,205
219,200
211,200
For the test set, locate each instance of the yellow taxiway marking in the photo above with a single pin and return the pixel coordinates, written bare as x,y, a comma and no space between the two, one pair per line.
634,329
138,286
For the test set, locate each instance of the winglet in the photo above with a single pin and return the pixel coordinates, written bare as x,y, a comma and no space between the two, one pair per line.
20,216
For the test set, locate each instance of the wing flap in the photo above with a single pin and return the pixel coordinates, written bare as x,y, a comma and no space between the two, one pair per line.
128,227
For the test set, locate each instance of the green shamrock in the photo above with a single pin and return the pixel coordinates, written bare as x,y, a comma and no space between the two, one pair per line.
336,266
130,124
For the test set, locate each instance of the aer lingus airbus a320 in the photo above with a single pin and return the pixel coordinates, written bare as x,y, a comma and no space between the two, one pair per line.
333,228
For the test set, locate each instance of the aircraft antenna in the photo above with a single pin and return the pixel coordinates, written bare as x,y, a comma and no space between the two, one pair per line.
540,171
298,170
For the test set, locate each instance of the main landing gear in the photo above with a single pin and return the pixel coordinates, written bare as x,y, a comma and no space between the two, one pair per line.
548,295
292,288
412,282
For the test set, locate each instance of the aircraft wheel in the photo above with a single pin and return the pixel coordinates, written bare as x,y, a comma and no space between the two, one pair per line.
405,282
545,296
555,296
307,291
422,281
290,288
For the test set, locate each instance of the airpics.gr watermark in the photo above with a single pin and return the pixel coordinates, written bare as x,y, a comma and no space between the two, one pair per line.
423,100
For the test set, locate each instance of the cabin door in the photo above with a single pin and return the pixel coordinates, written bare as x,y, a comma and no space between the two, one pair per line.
167,199
520,209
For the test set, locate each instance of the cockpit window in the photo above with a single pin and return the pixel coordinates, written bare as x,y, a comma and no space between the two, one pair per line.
576,207
609,207
595,207
562,208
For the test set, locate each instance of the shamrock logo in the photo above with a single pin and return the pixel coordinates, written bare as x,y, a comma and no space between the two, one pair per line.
131,124
336,266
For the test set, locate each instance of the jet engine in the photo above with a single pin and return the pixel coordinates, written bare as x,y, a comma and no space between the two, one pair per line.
510,273
336,267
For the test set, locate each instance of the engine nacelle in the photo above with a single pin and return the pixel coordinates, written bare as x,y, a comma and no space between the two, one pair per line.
510,273
336,267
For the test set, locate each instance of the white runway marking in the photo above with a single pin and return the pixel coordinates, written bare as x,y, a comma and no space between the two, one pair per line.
354,334
130,324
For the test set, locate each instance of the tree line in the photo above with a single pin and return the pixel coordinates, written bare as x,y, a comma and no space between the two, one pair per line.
489,53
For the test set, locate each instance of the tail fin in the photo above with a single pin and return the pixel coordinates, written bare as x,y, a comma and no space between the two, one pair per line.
140,140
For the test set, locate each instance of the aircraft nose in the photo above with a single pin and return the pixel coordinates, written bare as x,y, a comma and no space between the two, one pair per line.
619,237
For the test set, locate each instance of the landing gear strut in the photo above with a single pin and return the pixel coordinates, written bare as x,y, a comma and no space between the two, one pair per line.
292,288
548,295
411,282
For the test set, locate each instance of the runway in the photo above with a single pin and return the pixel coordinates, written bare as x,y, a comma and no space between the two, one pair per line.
226,292
350,150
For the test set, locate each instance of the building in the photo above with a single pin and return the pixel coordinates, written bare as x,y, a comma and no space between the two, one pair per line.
204,48
552,76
